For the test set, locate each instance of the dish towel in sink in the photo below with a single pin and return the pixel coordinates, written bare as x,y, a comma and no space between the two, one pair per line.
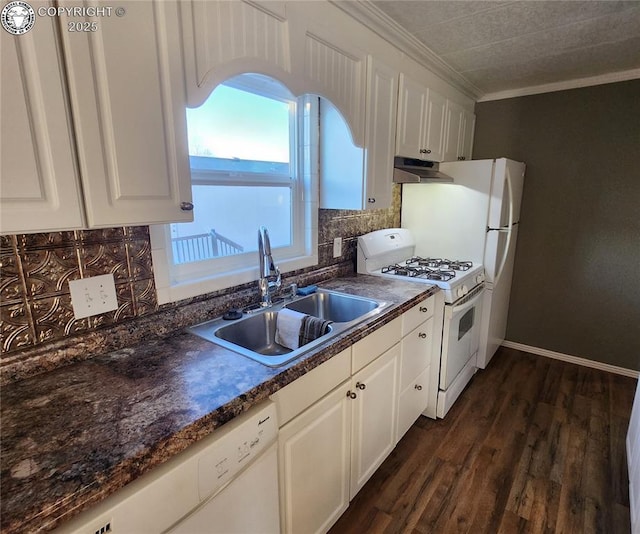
294,329
312,328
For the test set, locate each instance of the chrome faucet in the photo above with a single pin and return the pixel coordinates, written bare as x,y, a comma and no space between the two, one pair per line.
270,280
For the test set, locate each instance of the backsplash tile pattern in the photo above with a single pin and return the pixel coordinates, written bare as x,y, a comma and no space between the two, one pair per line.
35,303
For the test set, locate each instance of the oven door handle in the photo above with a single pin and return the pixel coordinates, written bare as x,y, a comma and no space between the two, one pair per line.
451,310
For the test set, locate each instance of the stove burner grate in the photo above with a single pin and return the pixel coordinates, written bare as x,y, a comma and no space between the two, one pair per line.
419,271
440,263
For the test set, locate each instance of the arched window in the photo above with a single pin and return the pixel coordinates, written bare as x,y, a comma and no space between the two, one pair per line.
253,158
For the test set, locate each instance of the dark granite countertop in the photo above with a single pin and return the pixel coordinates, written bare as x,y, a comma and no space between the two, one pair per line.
74,435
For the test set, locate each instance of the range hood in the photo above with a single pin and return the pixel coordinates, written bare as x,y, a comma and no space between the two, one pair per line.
417,171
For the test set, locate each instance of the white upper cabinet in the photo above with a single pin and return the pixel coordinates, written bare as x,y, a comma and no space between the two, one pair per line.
336,71
223,39
421,121
434,138
39,186
280,40
360,178
380,126
126,100
125,82
469,124
460,125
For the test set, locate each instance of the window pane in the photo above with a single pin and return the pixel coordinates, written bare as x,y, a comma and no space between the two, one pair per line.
226,221
235,124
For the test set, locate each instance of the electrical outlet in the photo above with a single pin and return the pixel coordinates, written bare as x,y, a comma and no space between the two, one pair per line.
92,296
337,247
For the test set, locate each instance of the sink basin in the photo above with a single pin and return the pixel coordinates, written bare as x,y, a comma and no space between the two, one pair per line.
254,335
332,306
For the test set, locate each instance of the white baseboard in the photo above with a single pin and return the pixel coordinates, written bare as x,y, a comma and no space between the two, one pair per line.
572,359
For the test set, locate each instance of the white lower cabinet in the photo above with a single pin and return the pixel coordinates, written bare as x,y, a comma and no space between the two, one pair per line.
412,402
329,451
314,456
375,397
342,419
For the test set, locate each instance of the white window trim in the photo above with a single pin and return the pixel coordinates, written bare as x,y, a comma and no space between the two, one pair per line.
171,288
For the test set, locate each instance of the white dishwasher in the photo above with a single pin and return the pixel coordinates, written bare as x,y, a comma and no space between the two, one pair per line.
226,483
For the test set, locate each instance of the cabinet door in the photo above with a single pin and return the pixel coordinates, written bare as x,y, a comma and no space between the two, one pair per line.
40,184
381,108
314,452
416,349
374,416
412,109
468,129
412,402
127,95
435,126
454,122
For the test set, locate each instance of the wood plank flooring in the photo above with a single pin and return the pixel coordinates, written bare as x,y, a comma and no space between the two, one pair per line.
533,445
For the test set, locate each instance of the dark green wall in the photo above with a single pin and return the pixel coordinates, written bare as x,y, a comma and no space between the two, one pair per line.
576,285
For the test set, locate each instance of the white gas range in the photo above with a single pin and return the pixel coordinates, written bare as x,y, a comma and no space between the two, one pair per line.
391,253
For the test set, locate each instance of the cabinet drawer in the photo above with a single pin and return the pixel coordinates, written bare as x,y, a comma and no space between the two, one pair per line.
416,352
303,392
369,348
413,401
418,314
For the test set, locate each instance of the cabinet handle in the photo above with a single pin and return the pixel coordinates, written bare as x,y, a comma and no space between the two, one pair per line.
418,387
461,158
425,151
360,385
424,309
351,395
371,200
186,206
428,151
422,335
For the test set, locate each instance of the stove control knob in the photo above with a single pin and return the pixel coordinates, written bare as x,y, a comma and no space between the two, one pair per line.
459,292
465,290
480,278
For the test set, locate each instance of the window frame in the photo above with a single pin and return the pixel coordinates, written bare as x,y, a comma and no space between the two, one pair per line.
179,281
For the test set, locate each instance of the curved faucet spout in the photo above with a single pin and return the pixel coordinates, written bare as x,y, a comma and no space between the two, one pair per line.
270,279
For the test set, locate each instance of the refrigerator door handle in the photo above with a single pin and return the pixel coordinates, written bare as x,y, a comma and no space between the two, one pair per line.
508,229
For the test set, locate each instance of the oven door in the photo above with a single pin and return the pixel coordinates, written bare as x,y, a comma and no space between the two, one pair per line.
460,335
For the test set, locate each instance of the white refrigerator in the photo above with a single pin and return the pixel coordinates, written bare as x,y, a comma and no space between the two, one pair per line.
475,218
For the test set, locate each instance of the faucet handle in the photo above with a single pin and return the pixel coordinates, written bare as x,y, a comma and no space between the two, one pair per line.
293,288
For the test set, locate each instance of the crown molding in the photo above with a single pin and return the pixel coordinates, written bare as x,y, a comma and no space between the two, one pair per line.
612,77
381,24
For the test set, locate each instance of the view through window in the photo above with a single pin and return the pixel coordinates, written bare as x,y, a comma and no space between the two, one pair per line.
242,149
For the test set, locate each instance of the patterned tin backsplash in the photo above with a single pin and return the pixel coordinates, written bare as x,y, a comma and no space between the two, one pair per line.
35,303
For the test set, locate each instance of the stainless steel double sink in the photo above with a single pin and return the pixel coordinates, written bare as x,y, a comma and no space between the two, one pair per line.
254,334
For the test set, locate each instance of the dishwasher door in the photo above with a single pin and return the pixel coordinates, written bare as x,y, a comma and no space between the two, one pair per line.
248,504
226,482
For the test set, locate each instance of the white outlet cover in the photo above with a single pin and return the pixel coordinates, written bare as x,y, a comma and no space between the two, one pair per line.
93,296
337,247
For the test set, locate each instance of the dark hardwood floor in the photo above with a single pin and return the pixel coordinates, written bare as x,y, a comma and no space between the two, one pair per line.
532,445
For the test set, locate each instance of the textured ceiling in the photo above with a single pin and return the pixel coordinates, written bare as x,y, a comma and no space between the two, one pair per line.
500,46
